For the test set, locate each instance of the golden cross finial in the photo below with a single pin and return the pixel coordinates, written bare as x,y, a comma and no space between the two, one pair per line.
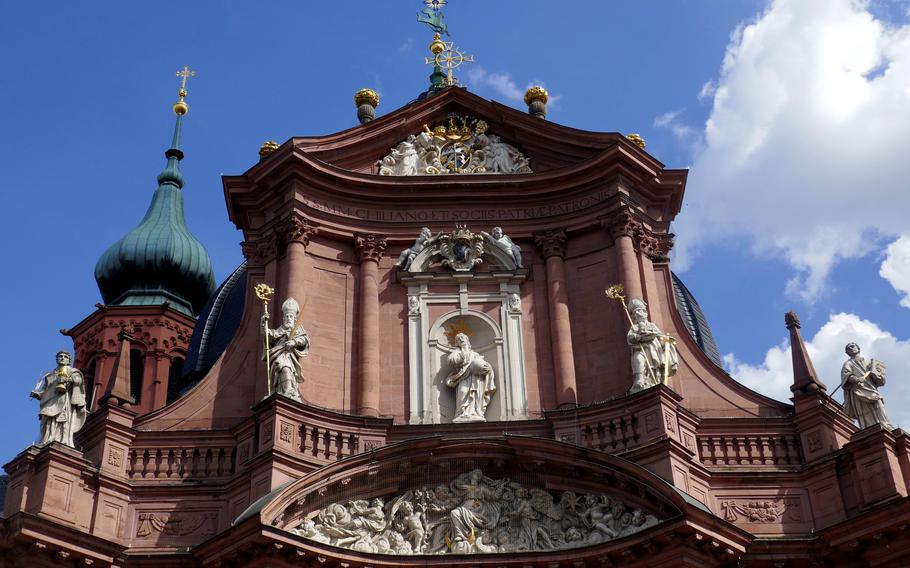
448,58
180,107
184,73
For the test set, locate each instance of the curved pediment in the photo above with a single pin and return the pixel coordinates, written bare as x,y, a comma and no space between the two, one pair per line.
500,496
545,144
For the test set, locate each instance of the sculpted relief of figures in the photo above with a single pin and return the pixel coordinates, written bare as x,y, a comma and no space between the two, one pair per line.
461,250
61,394
474,514
460,146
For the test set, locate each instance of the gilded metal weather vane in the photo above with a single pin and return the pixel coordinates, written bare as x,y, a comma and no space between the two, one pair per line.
432,16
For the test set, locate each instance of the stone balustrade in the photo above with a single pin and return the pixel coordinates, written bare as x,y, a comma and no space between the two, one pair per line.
731,449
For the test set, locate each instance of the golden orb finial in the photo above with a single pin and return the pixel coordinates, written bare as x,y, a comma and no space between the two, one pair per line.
267,148
437,46
366,96
636,139
536,93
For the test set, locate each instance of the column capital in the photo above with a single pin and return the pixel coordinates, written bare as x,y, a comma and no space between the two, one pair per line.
259,251
296,229
551,243
369,246
621,223
656,246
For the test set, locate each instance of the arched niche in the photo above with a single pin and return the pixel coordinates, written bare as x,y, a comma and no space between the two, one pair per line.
430,342
486,339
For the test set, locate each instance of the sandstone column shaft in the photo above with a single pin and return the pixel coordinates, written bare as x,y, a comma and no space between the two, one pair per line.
369,249
552,244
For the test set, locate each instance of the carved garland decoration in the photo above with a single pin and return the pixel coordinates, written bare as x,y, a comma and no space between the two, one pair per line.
460,145
474,514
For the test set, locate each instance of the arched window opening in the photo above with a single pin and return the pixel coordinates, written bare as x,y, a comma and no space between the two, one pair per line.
174,384
136,372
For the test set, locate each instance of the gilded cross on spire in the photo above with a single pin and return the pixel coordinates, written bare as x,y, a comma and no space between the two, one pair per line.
180,107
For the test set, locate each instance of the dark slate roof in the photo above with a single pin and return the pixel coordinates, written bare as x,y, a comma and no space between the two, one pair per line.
215,328
695,320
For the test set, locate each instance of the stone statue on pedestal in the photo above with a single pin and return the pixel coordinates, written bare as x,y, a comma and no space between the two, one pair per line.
499,239
860,379
654,357
61,393
287,344
472,378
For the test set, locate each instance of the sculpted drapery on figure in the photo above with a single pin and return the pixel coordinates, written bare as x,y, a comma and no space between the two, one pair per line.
860,379
474,514
287,344
61,393
499,239
654,356
408,254
472,378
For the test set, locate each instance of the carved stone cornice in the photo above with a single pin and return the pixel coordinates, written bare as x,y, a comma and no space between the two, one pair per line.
296,229
551,243
369,246
621,223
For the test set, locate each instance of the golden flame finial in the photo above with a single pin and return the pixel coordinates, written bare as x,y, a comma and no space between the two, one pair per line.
180,107
637,140
267,148
366,96
536,93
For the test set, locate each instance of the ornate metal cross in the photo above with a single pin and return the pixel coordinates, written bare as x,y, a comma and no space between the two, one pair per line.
185,73
450,59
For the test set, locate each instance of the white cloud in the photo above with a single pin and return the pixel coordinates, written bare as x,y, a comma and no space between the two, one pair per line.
682,132
504,85
805,145
406,46
707,90
896,267
774,375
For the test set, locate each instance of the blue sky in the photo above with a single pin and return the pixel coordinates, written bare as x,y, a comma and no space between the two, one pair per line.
792,115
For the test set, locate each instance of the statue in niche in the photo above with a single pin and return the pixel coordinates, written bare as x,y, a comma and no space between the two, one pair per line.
860,379
501,240
654,356
407,255
61,394
287,344
472,378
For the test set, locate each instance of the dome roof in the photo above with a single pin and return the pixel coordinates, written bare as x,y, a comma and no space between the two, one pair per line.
160,260
695,320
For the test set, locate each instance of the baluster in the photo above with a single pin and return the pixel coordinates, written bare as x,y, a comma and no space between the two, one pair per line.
131,464
326,444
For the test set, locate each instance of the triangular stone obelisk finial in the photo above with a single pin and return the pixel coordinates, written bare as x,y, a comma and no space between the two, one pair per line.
118,387
805,379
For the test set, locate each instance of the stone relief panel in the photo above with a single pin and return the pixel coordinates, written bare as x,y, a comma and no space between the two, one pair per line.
474,514
459,145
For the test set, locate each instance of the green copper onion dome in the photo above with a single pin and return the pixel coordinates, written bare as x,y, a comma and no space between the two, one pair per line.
160,260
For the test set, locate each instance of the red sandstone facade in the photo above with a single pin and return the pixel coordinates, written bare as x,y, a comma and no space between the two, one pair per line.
211,478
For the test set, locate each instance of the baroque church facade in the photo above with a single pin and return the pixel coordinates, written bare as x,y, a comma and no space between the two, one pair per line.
460,395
